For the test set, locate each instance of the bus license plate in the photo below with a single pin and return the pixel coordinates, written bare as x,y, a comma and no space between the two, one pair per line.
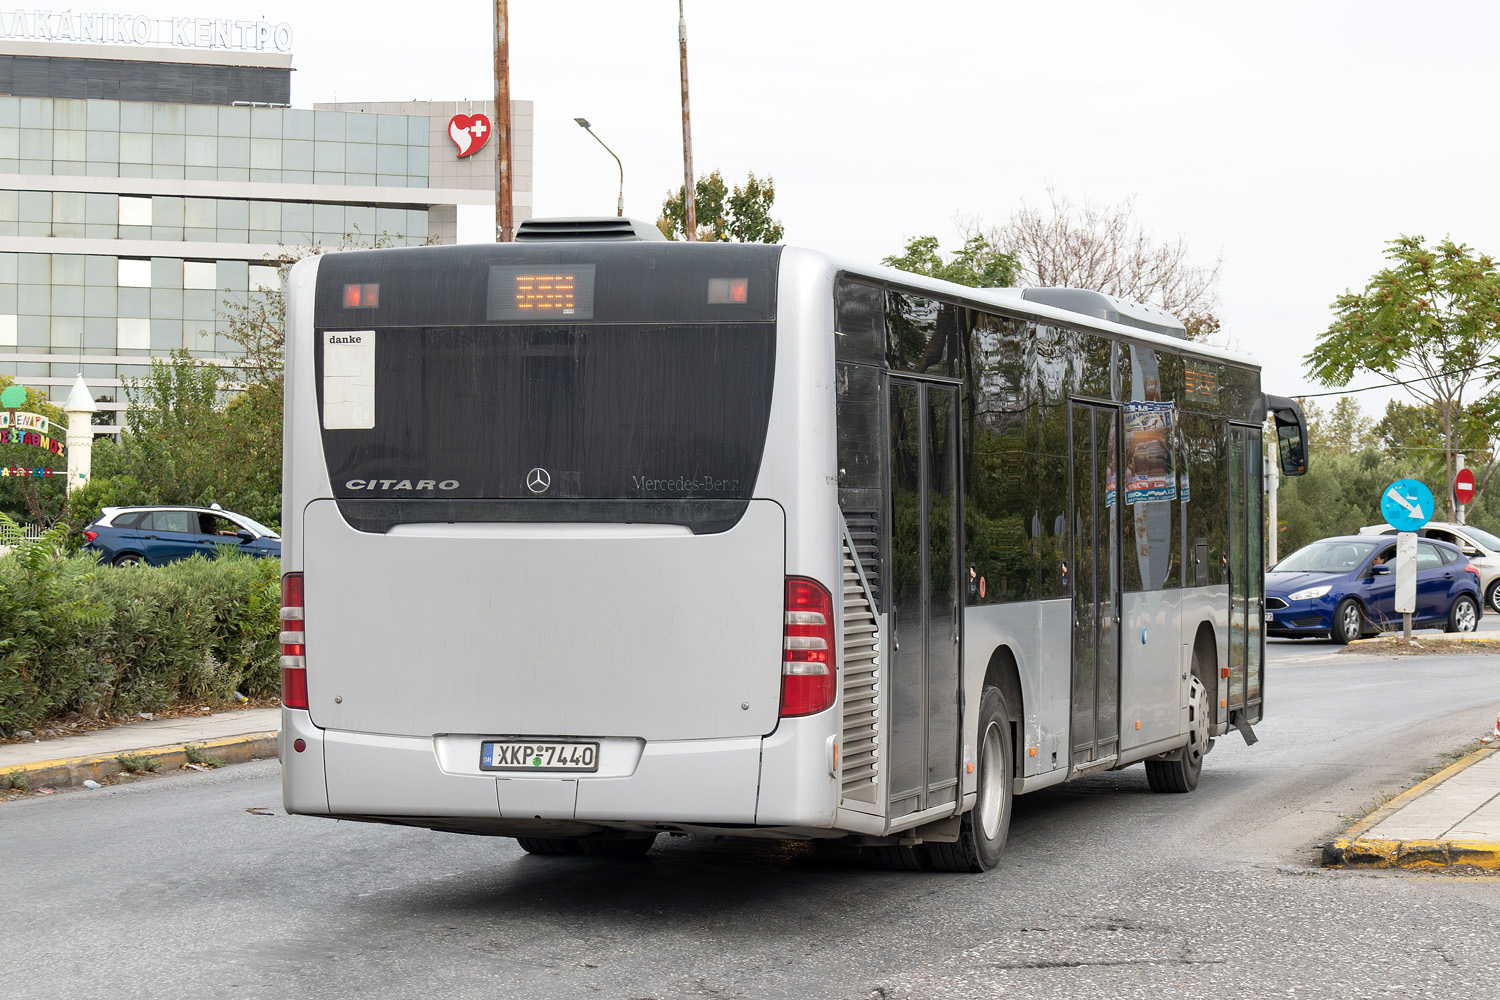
521,755
1270,616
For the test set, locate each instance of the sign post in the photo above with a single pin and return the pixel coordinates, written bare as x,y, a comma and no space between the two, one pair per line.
1407,505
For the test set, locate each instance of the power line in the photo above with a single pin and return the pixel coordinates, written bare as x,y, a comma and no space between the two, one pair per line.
1387,385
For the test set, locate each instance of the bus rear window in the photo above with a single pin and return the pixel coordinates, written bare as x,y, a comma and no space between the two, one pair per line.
548,412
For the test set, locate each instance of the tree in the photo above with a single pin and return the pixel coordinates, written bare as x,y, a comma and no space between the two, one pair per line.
976,264
1431,320
1104,249
740,216
1343,428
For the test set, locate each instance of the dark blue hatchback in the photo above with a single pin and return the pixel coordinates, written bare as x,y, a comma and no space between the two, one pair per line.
131,536
1345,587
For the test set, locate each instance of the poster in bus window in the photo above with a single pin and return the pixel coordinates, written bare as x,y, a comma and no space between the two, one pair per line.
1148,453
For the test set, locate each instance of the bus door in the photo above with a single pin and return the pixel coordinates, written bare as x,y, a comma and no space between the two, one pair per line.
924,591
1095,502
1246,577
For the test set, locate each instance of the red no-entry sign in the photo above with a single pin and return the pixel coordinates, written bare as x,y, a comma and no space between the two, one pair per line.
1463,486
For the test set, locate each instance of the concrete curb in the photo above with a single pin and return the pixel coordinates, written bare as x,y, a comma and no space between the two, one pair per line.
1440,639
72,772
1356,850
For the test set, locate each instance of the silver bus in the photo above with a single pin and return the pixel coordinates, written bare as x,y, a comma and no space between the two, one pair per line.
588,540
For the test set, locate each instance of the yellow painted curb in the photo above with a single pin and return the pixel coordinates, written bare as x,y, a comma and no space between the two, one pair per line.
1355,850
66,772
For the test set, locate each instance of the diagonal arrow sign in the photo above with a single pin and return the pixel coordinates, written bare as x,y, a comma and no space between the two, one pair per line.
1414,509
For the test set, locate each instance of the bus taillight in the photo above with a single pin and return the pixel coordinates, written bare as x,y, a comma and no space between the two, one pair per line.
807,661
293,651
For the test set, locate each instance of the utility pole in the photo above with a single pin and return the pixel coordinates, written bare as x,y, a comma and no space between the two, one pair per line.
504,219
689,210
1462,507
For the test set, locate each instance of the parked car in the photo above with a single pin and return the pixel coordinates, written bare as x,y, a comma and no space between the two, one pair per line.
1482,548
131,536
1345,587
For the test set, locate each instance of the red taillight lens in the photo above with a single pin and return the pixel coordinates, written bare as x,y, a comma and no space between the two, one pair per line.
293,650
808,665
90,535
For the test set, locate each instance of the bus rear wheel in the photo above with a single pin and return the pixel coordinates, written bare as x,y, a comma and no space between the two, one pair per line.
617,847
982,832
549,845
1181,770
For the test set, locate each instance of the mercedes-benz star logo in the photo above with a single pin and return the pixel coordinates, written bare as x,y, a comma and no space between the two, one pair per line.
538,480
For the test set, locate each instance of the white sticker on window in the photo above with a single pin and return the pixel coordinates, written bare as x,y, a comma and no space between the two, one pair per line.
348,379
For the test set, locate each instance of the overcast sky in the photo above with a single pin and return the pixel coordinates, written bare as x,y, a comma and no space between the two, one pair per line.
1292,139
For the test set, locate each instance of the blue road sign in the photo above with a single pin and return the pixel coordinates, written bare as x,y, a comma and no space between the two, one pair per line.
1406,504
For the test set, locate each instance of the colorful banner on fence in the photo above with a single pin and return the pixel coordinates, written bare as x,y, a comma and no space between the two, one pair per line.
25,421
39,473
17,436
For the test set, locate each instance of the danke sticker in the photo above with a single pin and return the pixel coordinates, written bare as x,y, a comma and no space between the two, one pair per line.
348,379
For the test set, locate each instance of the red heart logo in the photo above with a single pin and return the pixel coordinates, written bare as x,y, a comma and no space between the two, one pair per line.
469,132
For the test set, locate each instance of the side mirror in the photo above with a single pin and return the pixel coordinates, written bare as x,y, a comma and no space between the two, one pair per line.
245,537
1291,434
1379,570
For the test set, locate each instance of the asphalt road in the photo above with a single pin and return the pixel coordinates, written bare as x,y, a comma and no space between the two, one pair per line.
197,885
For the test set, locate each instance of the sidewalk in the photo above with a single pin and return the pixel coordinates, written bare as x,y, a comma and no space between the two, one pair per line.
233,737
1452,818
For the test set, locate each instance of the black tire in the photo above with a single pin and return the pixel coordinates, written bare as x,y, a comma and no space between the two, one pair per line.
1463,615
1492,594
549,845
982,832
617,847
901,859
1180,771
129,559
1348,621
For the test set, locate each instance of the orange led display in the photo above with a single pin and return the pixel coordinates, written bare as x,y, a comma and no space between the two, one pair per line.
546,293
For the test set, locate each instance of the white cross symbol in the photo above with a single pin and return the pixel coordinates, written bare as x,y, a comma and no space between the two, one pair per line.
477,129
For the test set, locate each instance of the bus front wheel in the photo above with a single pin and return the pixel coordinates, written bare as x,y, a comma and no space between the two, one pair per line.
981,834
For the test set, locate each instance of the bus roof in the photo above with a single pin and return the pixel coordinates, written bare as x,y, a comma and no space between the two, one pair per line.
1016,300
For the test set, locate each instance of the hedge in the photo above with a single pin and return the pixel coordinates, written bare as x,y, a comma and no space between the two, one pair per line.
79,637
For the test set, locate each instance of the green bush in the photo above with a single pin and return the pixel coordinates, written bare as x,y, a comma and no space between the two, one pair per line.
79,637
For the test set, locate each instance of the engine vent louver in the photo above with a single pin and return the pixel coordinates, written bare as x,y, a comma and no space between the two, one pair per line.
586,229
860,736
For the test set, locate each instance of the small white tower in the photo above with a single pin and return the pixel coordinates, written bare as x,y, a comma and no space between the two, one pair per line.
80,409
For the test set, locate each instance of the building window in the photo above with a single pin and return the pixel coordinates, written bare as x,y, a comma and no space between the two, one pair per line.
199,274
133,334
264,278
134,273
135,211
8,330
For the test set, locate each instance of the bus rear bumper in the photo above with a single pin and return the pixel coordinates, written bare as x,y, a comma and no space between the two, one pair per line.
369,776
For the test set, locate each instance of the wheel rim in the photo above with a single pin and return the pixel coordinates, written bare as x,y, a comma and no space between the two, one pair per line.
991,795
1491,595
1198,741
1465,617
1351,621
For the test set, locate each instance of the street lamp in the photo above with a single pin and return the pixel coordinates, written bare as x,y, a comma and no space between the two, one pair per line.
583,123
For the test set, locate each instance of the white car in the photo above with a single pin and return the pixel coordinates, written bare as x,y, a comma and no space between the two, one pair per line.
1482,548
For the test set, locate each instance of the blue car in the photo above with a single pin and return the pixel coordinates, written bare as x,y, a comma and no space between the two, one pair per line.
1345,587
133,536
